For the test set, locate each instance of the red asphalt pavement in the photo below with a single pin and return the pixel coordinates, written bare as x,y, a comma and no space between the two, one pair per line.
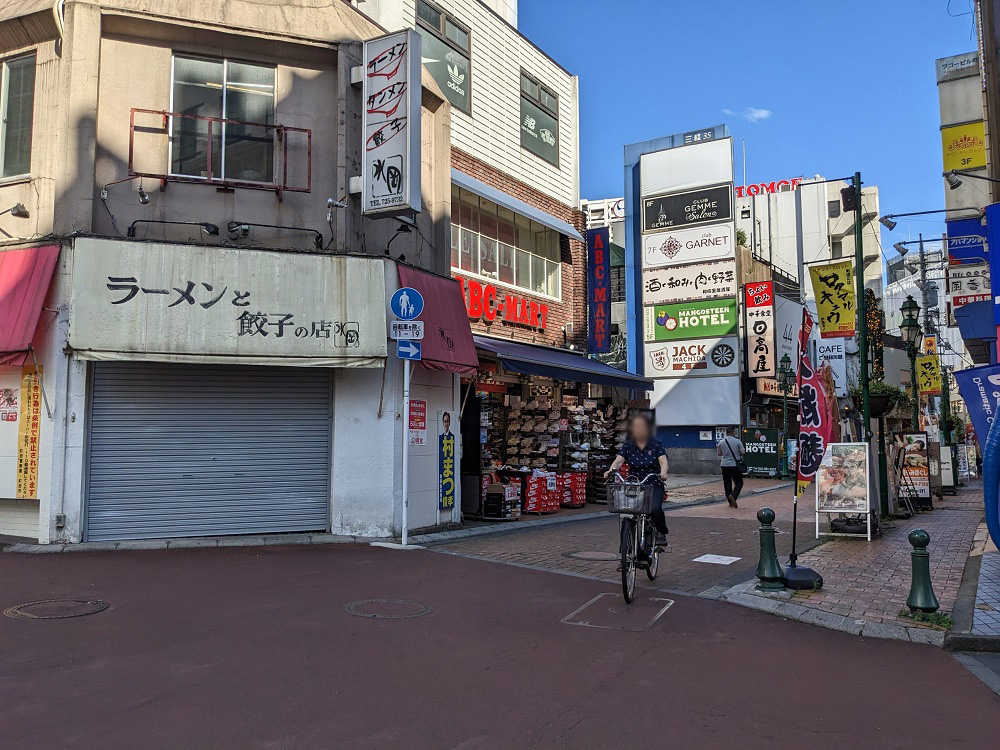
252,648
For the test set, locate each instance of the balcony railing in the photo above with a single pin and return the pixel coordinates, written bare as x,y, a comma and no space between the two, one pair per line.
213,136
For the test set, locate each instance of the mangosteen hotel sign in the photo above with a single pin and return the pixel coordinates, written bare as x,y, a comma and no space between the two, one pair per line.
690,320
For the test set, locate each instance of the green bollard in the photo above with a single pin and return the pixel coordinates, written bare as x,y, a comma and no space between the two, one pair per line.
772,577
921,598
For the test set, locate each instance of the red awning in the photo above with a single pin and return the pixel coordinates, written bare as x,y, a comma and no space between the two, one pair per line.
25,275
448,343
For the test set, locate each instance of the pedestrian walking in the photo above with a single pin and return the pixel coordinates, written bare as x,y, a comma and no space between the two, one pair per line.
731,451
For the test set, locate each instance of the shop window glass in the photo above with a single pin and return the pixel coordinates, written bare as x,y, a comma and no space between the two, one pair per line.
455,244
505,264
553,271
488,257
470,251
522,269
538,274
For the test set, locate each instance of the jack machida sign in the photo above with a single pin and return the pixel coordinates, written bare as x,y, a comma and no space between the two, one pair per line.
391,124
695,357
690,320
222,305
676,247
692,282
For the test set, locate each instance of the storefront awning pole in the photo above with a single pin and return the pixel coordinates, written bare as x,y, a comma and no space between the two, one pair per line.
41,386
465,399
381,395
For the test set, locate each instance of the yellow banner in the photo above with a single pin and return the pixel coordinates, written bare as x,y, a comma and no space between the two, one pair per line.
928,374
930,345
28,429
836,305
964,146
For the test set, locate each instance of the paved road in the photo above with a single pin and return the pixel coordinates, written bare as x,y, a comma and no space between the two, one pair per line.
252,648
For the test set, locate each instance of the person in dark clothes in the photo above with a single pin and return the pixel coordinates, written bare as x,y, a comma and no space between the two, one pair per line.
645,456
729,449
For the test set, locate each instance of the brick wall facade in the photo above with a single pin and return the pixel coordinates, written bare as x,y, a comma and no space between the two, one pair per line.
571,310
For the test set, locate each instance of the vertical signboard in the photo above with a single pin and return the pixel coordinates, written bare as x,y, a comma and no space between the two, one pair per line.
391,125
28,430
914,465
446,464
762,451
834,353
928,374
759,328
833,287
418,421
599,278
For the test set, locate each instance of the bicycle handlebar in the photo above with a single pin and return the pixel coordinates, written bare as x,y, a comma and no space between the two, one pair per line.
623,480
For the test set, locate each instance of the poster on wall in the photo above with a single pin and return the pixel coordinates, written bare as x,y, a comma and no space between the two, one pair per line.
690,320
715,356
707,205
8,404
446,463
680,246
759,329
417,421
391,124
842,480
598,290
762,456
695,281
28,433
833,288
912,458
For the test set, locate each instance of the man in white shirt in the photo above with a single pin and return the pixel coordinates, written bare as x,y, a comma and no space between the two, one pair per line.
729,449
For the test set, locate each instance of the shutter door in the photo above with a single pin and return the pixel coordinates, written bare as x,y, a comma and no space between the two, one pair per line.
195,450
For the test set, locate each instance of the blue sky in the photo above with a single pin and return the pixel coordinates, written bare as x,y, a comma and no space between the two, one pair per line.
813,86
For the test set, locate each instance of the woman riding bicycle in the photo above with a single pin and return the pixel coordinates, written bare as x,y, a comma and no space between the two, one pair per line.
645,456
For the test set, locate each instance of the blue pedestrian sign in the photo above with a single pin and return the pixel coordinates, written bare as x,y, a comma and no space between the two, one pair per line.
406,304
408,350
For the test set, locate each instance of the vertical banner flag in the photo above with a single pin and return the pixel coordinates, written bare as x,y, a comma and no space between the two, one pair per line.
814,415
28,429
833,287
759,306
930,345
599,286
446,464
928,374
980,389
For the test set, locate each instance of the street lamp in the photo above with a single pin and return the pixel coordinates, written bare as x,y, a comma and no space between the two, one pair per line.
954,182
785,380
909,329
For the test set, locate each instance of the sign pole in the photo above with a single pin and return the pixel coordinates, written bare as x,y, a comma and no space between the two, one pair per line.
406,444
859,259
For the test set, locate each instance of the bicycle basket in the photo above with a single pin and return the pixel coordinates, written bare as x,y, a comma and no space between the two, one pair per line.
630,498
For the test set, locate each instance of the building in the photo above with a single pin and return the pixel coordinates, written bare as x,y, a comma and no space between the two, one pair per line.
211,301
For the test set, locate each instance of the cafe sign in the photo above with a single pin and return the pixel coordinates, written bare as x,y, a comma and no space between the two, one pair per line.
716,356
710,205
690,320
695,281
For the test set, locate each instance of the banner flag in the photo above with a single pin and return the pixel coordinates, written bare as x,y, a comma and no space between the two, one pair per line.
836,306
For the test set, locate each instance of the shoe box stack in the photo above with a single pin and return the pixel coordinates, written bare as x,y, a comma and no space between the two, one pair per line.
533,435
573,489
541,493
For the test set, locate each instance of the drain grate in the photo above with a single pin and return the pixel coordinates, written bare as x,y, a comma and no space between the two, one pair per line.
56,609
592,556
388,609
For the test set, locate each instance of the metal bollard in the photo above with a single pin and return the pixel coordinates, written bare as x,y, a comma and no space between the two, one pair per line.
772,577
921,598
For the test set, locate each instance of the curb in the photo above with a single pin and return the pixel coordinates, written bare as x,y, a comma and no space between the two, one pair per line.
265,540
780,604
983,644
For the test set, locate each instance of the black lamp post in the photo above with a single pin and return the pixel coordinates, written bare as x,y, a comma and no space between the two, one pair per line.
909,330
785,378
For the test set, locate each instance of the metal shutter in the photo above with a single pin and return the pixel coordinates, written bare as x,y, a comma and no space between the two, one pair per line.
195,450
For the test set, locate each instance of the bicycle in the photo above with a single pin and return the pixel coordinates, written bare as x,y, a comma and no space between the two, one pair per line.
633,502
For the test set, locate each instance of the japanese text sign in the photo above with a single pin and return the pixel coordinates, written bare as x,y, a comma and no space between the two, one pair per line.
417,422
967,283
696,281
446,464
964,146
759,330
980,389
966,240
930,345
599,288
928,374
391,124
28,433
693,357
815,418
833,287
191,303
690,320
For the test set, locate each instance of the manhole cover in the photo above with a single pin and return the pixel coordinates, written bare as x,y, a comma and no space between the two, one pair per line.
56,609
388,609
593,556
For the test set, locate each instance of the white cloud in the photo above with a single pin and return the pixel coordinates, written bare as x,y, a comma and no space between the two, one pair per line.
756,114
728,112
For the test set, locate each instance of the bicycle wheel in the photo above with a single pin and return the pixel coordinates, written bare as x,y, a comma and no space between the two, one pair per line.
628,554
654,559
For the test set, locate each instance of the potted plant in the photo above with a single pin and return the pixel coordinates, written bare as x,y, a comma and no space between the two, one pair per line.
882,397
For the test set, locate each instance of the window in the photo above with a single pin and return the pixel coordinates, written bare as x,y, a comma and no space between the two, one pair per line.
447,53
539,119
229,90
17,104
833,209
493,242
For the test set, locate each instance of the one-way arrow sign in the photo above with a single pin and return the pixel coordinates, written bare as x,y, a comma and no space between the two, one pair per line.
408,350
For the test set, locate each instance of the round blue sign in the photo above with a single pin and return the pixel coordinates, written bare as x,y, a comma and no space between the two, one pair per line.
406,303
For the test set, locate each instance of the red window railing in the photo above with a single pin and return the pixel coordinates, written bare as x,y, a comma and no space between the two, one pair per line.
215,128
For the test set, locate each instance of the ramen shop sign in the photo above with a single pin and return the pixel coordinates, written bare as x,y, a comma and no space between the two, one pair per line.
487,303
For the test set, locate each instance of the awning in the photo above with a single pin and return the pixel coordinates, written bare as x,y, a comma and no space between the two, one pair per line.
447,343
979,332
519,207
559,364
25,275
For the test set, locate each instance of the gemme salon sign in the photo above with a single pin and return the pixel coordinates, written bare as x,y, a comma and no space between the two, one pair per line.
690,320
710,205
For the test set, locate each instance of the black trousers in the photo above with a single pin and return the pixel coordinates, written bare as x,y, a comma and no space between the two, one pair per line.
732,480
658,517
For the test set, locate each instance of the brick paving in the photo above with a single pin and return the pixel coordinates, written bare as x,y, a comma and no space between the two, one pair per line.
694,531
872,581
986,618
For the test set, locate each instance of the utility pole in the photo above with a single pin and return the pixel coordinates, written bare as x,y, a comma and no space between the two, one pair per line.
859,268
923,289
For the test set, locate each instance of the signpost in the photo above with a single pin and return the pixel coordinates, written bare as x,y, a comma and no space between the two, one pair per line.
406,304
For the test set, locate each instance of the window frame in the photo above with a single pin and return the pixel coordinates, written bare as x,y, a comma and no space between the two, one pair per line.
5,63
441,34
222,136
537,101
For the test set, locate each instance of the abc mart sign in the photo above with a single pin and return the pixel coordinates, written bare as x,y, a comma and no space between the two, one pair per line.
715,356
683,246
